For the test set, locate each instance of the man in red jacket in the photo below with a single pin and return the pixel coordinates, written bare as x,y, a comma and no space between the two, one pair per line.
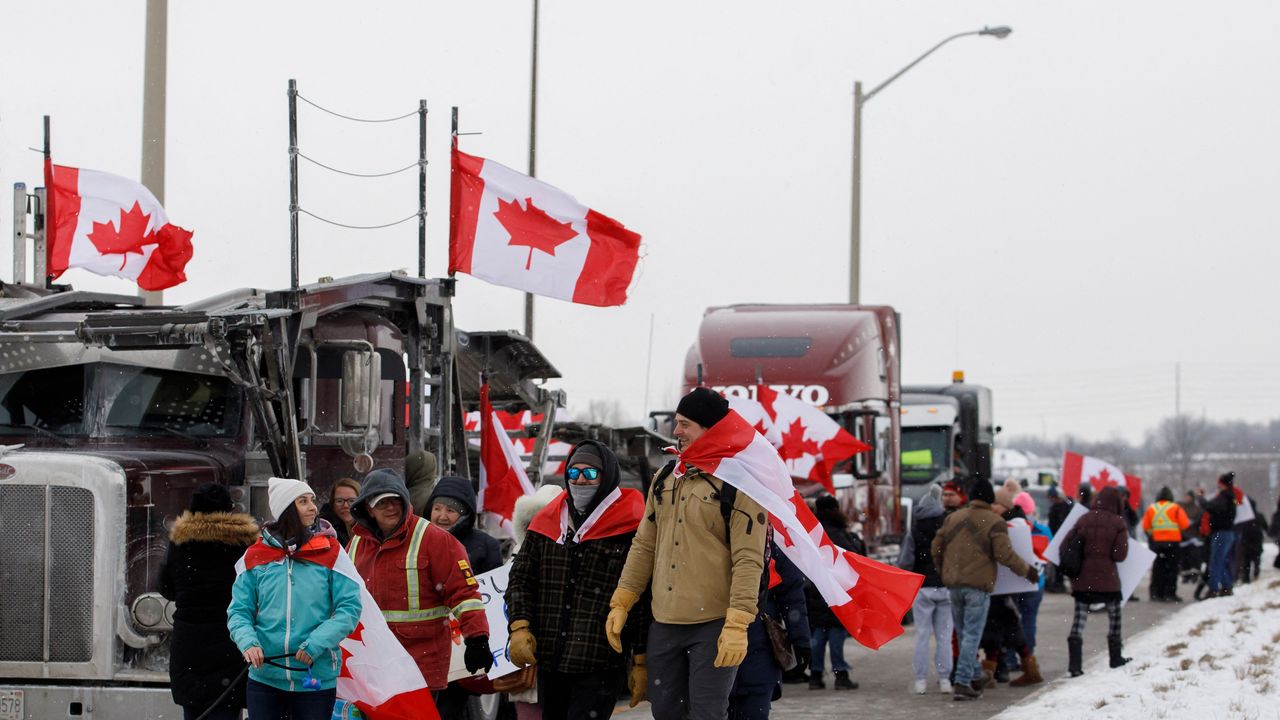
419,575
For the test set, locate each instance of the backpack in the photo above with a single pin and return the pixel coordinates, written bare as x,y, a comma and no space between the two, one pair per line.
1071,556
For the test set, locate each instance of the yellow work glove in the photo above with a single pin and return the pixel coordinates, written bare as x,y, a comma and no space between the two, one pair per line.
638,680
619,605
732,645
521,644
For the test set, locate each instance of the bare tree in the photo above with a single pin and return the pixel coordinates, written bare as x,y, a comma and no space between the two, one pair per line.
605,411
1179,439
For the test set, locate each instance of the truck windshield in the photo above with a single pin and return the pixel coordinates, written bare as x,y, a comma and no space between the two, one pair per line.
110,399
925,453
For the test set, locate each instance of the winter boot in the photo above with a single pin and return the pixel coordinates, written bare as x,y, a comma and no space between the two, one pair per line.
843,682
1075,656
1002,671
1115,645
815,681
1030,673
988,679
965,692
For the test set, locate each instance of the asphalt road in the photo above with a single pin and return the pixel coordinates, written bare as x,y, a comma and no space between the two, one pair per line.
885,676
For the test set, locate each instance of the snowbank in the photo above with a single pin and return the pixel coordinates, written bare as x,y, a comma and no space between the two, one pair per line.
1214,659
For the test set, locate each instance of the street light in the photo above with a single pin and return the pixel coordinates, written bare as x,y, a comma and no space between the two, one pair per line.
860,99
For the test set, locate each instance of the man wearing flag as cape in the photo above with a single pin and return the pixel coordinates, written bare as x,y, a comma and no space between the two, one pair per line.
704,557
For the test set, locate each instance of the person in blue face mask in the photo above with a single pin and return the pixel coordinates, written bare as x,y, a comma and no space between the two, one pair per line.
561,581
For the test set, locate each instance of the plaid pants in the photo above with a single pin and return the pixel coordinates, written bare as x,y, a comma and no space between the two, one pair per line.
1082,615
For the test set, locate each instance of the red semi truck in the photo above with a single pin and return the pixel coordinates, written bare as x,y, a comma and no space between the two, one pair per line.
842,358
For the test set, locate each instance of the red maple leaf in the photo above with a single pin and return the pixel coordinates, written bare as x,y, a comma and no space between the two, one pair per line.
793,443
533,228
1102,479
130,238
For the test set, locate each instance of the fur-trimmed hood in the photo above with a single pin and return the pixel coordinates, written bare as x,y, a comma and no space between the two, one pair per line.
528,506
221,527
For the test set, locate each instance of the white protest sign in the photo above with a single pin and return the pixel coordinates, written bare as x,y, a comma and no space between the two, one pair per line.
1007,581
1133,568
1244,512
1055,545
493,590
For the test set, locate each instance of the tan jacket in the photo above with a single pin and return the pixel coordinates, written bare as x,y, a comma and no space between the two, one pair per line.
970,543
680,551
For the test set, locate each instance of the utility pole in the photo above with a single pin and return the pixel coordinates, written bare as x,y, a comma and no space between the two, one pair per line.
154,78
533,150
1177,390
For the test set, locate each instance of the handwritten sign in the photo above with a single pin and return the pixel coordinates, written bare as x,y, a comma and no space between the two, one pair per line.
493,590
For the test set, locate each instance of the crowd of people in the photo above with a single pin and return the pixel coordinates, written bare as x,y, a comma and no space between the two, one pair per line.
679,596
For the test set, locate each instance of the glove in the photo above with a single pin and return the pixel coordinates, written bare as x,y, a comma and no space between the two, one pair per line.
638,680
619,605
732,645
804,657
1033,575
521,645
477,656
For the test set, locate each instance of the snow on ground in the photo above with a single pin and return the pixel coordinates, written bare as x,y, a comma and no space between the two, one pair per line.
1213,659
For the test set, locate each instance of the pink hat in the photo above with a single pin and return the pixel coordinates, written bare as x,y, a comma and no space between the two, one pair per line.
1025,501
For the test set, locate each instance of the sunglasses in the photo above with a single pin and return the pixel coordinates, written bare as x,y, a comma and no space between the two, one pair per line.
588,473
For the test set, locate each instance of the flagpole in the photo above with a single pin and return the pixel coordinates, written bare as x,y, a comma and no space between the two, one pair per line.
41,254
422,188
293,184
533,150
154,83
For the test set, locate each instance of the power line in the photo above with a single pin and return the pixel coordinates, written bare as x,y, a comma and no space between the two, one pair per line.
356,119
358,227
313,161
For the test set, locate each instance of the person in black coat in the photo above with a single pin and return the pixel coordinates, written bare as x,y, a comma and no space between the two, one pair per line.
1059,509
1222,535
759,679
826,631
198,572
453,507
1253,534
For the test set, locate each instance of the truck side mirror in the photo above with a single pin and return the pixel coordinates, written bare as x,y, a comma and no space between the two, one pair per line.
361,389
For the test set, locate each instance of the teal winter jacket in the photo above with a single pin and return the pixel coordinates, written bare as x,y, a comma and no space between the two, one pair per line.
290,603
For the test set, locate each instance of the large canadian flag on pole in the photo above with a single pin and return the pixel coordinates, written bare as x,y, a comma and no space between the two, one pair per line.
869,598
111,225
807,439
513,230
502,476
1077,468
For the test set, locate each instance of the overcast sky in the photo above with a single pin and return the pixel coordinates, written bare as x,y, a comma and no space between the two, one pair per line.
1065,214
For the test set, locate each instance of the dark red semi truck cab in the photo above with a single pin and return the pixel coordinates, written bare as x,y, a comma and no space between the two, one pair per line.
841,358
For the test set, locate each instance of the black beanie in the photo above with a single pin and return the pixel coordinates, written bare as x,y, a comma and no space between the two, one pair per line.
981,490
210,498
587,455
1228,479
703,406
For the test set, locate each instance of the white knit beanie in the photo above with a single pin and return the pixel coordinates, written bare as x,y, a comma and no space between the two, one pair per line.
282,492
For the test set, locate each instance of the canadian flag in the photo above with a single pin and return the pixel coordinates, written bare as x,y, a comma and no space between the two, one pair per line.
510,229
869,598
502,476
807,439
1077,468
111,225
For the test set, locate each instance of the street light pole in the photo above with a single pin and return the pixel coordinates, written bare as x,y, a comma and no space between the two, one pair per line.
860,99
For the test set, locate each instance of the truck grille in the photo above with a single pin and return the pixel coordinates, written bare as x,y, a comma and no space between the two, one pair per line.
46,568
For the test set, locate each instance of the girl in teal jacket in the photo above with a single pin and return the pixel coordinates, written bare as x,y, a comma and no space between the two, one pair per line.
290,609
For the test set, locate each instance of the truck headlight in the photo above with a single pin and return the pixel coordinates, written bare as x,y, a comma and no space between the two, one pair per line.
152,612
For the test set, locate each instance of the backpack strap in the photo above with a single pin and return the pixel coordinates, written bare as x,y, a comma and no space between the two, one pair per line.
659,485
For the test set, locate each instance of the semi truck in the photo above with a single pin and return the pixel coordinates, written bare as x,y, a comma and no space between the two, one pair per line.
841,358
947,434
111,412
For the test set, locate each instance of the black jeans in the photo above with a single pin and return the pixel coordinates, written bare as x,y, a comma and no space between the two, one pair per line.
684,683
578,696
1164,573
268,703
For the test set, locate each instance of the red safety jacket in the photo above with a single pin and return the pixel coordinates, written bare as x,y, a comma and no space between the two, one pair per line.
420,576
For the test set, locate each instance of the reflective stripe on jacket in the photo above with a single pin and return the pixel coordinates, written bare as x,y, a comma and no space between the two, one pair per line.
420,576
1165,521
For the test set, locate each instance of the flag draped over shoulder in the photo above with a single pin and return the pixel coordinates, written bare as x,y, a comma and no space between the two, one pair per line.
869,597
502,476
513,230
378,675
110,225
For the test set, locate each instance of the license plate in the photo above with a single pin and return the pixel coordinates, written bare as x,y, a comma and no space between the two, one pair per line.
11,705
